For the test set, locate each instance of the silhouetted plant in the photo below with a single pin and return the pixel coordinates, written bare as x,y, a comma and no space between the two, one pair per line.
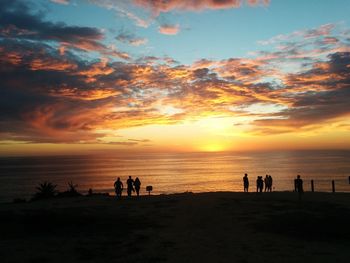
45,190
72,187
71,191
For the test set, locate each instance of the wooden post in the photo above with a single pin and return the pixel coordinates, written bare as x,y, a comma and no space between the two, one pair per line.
333,186
149,189
312,186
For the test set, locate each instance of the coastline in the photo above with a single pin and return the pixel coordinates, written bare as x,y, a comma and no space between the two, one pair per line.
168,173
187,227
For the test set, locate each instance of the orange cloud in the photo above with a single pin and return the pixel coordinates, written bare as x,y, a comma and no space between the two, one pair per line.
13,58
159,6
47,64
100,68
93,94
53,96
169,29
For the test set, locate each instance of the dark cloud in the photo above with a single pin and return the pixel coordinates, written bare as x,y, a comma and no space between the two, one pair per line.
340,63
314,106
33,100
18,22
130,38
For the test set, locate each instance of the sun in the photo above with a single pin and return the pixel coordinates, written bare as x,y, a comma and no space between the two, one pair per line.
213,147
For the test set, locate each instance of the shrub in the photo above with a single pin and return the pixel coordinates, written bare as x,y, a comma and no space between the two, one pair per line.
72,188
71,191
45,190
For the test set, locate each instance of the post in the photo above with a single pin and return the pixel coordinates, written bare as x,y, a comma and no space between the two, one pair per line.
149,189
333,186
312,186
349,179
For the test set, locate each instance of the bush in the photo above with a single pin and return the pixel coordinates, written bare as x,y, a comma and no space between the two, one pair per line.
45,190
71,192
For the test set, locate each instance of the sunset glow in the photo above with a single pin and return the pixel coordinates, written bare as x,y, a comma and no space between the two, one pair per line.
83,76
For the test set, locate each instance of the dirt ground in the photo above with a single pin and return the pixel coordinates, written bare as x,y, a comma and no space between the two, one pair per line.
207,227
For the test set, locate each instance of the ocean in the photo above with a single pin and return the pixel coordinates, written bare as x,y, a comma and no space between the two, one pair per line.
175,172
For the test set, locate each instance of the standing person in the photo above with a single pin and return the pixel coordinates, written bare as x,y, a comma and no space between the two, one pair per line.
137,185
266,181
270,183
298,184
130,184
246,183
259,184
118,187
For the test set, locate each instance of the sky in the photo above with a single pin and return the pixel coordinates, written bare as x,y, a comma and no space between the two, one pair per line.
88,76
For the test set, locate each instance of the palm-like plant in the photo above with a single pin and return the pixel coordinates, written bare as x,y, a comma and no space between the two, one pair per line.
45,190
72,188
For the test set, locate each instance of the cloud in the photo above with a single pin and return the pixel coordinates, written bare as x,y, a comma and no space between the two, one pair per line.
50,93
121,7
138,140
70,104
323,30
305,34
324,97
167,29
130,38
138,20
153,8
63,2
159,6
16,21
123,143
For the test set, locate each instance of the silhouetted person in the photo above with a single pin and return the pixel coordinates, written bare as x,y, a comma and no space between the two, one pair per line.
298,184
259,184
266,181
130,184
118,186
137,185
246,183
270,183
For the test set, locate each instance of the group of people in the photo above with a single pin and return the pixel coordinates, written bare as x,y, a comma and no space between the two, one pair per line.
260,182
135,185
298,184
268,183
132,186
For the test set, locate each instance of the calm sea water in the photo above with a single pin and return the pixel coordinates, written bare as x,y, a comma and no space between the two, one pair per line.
175,173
